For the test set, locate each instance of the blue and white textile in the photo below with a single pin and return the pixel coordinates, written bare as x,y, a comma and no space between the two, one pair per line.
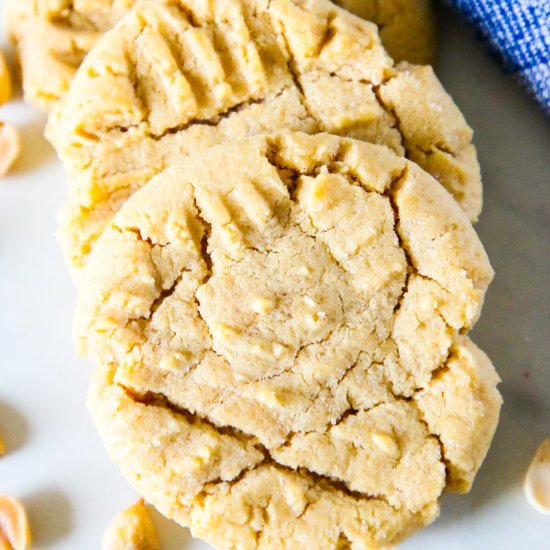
519,32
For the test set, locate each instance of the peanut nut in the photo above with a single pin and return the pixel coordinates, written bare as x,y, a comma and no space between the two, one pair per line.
14,526
5,80
10,147
537,481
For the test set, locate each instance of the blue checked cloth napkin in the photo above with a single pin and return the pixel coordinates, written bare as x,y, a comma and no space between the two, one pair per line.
519,32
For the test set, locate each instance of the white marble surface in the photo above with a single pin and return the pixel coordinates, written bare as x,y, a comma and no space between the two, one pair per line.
55,461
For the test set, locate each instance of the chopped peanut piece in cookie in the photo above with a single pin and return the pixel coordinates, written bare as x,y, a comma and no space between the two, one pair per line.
537,482
5,80
14,526
132,529
10,147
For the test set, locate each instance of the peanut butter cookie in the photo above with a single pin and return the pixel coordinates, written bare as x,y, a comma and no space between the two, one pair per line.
175,77
52,38
280,327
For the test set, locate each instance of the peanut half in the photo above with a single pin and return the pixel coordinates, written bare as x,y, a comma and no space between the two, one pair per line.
131,529
5,80
14,525
537,481
10,147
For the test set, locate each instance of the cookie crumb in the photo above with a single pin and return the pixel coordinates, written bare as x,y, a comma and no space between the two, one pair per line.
131,529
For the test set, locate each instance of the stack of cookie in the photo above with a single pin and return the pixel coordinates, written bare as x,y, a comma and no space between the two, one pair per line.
269,223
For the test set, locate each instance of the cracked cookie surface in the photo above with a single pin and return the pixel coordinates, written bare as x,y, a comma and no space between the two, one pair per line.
281,348
52,38
174,78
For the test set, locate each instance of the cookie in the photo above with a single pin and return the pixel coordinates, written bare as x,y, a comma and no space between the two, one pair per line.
279,328
53,38
173,78
407,29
